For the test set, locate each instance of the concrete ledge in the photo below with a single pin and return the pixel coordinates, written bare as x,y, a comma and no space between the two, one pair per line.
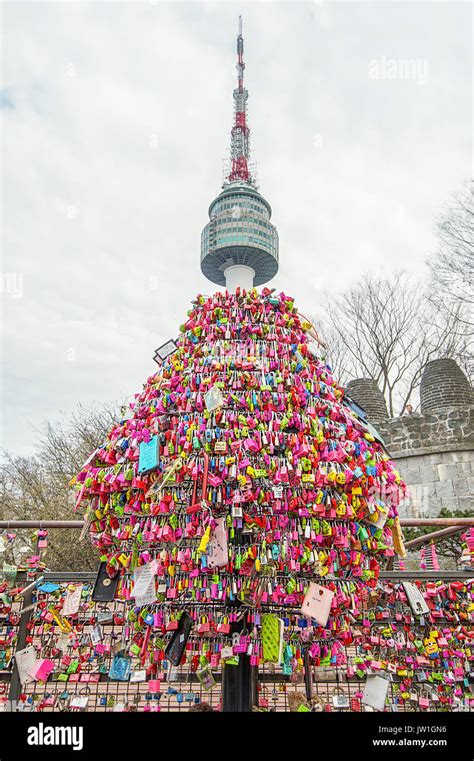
453,447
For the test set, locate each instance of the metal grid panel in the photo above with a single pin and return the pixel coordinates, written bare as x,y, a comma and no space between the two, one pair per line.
179,688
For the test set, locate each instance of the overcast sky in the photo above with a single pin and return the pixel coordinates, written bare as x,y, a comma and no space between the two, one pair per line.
116,117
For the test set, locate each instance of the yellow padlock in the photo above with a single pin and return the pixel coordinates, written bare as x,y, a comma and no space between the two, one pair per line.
63,623
205,540
431,646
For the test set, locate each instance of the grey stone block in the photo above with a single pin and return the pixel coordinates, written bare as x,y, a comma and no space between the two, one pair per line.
429,474
458,414
402,463
409,475
444,490
427,418
461,487
447,472
430,490
435,505
447,457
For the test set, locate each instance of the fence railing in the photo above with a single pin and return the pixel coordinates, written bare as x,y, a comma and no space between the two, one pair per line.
80,660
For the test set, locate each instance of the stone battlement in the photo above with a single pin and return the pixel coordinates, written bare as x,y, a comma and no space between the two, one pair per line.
433,449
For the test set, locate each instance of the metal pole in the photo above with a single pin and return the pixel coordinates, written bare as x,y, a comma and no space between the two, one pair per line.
433,536
41,524
462,522
76,576
15,684
239,682
464,575
437,522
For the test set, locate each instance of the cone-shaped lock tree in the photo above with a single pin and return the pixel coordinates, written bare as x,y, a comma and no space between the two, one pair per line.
242,480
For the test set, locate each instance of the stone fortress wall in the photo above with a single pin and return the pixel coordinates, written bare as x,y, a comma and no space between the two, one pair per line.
434,449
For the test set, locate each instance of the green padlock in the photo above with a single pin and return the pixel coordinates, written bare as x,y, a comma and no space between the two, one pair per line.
73,666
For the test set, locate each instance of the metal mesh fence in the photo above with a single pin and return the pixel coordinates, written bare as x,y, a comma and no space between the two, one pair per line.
81,659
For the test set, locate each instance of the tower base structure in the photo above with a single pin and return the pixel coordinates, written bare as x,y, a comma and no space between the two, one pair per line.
238,275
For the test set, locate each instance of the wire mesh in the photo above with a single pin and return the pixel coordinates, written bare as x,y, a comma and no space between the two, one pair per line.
81,659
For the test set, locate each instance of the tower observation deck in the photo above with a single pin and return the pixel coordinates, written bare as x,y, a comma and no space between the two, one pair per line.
239,245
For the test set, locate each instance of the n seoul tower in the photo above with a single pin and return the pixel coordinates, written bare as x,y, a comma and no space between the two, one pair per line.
239,244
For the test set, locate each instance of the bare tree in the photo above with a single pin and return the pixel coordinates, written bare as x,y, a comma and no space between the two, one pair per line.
452,266
37,487
336,354
387,329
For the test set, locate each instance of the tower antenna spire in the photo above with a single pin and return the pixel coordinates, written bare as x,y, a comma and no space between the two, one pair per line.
240,135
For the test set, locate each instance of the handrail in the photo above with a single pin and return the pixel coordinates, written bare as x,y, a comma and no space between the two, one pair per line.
406,522
59,576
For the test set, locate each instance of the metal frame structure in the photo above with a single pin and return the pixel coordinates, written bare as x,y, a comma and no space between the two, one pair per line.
235,690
